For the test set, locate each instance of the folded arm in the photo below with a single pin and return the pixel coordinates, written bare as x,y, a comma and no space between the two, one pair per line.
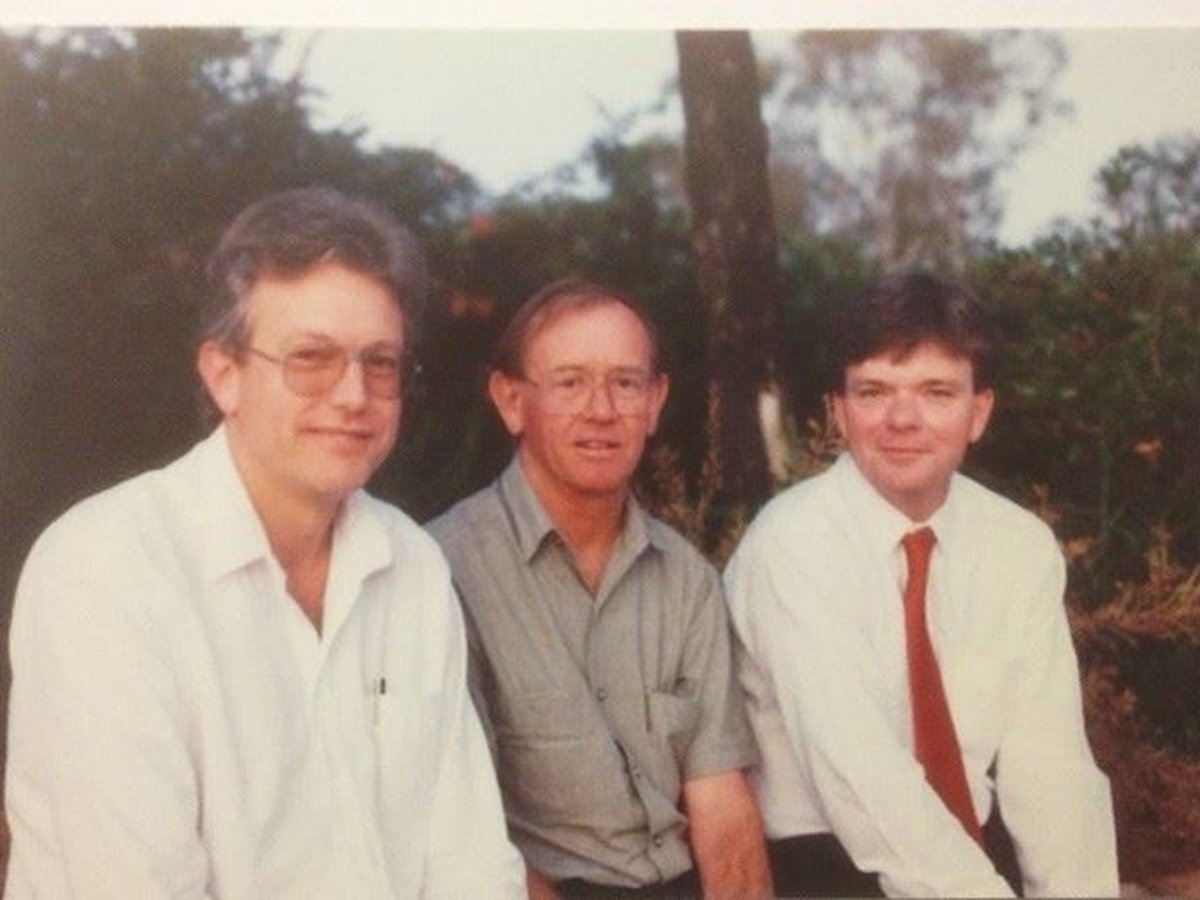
725,831
1056,803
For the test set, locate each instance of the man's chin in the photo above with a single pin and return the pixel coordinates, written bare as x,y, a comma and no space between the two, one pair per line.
602,486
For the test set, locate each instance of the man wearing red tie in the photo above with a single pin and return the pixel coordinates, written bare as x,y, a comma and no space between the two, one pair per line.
903,644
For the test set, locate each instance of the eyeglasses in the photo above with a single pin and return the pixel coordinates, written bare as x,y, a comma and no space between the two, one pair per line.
311,370
572,391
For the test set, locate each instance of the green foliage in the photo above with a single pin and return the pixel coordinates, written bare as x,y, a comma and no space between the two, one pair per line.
1101,389
819,274
627,237
1140,661
124,155
893,139
1149,191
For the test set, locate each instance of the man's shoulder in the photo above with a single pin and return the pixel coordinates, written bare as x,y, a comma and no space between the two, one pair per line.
805,508
465,521
669,541
131,511
106,551
808,527
997,519
402,530
694,576
477,539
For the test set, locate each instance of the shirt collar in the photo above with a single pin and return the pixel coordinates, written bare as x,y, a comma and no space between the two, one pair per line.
362,540
232,532
885,525
533,525
234,536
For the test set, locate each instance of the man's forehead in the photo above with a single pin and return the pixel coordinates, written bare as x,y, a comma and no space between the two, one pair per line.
925,357
913,352
571,314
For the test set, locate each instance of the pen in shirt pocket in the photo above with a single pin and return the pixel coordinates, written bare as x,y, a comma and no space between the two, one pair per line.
378,691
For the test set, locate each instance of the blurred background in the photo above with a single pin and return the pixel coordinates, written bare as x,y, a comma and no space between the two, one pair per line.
1057,171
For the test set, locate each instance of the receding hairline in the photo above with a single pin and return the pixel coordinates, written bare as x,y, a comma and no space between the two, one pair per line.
293,274
571,297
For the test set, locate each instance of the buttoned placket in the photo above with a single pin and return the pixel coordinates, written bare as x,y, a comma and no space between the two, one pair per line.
576,614
660,817
343,732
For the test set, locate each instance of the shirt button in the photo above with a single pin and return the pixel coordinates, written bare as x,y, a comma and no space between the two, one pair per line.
658,842
601,694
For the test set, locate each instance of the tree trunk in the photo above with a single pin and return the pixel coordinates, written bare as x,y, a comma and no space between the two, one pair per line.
737,269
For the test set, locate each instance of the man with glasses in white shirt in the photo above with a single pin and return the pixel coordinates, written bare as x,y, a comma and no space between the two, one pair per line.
599,638
240,675
903,643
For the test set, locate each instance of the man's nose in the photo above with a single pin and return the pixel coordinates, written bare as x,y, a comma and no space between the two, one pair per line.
600,401
903,411
350,389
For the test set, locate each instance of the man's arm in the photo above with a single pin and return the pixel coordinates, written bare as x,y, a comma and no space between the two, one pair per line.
1055,802
725,831
724,825
822,672
469,851
538,885
478,677
101,795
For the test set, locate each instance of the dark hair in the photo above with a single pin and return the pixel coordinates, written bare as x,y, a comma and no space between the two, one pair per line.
902,311
551,302
288,233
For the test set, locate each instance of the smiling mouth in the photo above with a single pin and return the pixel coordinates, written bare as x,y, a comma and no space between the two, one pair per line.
346,435
597,446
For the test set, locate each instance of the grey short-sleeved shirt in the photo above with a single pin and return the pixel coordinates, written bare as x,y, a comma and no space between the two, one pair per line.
598,708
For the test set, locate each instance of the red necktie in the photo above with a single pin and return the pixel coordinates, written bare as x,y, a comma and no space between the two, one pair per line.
933,728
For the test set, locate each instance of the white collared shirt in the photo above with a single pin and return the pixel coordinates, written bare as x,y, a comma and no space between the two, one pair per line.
178,727
815,591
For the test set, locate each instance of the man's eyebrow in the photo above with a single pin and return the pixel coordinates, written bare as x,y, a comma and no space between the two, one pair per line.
944,382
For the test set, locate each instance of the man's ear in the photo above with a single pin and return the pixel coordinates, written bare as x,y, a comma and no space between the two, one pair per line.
836,401
982,404
505,392
221,374
659,388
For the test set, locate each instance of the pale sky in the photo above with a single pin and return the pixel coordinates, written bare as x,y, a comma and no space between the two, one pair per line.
508,103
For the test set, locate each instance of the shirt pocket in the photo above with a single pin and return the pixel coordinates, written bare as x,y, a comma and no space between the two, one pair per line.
674,720
558,765
407,736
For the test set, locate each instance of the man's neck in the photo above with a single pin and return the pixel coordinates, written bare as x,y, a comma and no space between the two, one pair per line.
299,530
301,537
917,506
590,524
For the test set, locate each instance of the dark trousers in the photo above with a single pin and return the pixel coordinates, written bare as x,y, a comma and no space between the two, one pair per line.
816,865
685,887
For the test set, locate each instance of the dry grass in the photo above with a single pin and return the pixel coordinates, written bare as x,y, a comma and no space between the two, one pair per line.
1156,792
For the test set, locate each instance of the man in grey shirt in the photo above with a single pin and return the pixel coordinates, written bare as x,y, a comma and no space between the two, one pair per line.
600,659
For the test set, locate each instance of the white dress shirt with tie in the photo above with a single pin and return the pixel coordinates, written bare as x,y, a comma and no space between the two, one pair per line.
179,729
815,591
